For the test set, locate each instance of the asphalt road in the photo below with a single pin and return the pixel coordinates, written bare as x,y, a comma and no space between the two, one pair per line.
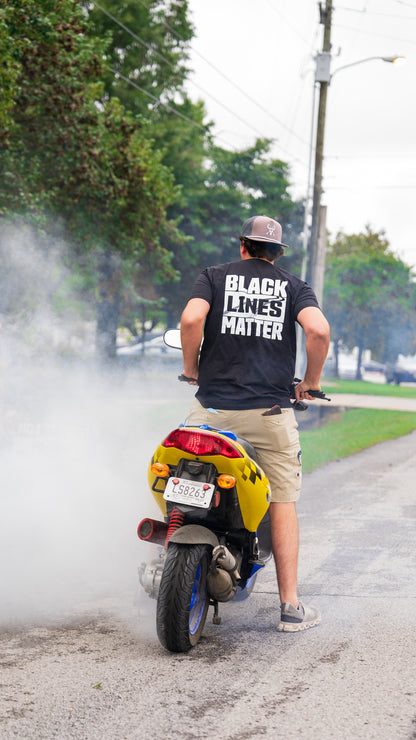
98,671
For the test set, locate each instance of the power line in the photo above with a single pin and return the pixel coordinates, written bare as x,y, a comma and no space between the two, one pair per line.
158,101
386,15
145,92
364,11
374,33
402,2
366,186
292,27
164,59
365,157
134,35
230,81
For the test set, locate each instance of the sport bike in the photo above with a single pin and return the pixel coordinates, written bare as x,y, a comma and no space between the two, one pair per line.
215,535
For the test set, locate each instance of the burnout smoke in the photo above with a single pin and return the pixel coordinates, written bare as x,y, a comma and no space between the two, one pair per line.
74,450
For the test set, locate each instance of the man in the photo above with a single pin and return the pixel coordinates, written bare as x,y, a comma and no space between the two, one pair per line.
247,312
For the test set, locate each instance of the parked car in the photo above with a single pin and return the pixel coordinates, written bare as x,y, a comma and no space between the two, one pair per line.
398,374
373,372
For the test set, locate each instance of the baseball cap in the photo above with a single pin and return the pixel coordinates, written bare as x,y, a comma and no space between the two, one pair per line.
263,229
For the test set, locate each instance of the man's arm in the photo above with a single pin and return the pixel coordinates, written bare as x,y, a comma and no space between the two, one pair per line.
192,326
316,329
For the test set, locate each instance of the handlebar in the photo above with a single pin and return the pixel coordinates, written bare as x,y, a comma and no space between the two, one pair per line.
319,394
297,405
301,405
184,379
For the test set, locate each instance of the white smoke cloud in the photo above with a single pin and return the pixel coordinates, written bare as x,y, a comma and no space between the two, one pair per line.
74,450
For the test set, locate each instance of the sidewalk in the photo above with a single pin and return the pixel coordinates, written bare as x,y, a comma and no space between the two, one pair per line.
352,400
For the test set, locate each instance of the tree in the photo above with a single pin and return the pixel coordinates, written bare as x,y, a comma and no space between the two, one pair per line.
148,47
74,161
248,182
132,182
229,187
217,189
370,296
9,69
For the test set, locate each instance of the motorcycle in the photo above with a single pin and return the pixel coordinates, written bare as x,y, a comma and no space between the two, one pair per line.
215,535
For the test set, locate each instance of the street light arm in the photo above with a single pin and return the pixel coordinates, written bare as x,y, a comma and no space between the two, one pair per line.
392,60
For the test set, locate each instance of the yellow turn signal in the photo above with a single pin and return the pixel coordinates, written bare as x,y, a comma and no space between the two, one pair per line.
160,469
226,481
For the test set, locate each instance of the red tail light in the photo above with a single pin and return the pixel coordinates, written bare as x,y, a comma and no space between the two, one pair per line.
200,443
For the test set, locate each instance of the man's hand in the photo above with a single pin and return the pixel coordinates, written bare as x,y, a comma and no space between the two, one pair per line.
302,388
190,378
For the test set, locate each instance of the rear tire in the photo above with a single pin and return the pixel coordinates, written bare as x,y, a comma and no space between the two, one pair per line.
183,600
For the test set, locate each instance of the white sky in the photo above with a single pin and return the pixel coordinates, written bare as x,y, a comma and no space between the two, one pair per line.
263,51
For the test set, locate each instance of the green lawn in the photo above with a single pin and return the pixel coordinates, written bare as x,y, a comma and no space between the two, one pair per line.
350,432
356,430
333,385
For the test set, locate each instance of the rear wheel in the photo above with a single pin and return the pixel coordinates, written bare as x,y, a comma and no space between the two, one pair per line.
183,599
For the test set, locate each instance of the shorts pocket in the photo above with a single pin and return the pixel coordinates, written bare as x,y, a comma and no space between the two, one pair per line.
283,430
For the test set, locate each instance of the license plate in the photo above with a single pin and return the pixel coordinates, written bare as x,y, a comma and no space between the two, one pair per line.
191,492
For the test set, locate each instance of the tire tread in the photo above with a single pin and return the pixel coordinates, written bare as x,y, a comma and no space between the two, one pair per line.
173,604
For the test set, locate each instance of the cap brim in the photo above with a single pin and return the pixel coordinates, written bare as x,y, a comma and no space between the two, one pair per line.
265,240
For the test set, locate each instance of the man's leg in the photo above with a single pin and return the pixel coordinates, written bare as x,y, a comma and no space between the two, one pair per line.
285,545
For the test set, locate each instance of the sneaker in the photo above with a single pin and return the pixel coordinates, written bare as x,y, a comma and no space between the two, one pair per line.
294,620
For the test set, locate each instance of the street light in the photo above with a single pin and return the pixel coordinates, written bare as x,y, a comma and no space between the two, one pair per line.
314,243
316,248
392,60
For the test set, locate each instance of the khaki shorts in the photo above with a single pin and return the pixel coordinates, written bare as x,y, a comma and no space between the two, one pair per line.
275,439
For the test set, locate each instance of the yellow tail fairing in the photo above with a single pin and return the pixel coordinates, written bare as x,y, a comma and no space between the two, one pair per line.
252,486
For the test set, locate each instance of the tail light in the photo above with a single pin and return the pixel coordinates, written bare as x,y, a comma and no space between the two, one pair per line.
226,481
160,469
200,443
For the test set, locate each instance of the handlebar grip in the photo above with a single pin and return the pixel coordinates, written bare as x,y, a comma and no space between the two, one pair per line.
314,394
319,394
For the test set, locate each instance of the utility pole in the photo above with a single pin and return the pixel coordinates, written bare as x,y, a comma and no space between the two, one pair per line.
316,249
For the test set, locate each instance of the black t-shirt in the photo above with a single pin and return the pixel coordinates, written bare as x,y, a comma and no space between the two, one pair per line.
249,350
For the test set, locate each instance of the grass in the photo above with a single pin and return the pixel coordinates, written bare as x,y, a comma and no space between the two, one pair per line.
350,432
361,387
356,430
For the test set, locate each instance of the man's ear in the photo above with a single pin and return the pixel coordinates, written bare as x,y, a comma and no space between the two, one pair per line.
243,250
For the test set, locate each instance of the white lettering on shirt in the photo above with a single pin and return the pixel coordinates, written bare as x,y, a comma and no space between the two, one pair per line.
254,307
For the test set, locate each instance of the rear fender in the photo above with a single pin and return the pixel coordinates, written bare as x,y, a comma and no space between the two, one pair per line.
194,534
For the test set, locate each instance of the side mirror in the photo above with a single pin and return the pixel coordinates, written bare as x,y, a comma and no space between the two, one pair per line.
172,338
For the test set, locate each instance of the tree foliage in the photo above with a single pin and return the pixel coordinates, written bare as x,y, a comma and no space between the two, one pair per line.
74,162
148,46
101,145
66,155
226,189
218,189
370,296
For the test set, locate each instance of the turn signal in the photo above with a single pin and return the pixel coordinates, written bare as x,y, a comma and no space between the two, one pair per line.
226,481
160,469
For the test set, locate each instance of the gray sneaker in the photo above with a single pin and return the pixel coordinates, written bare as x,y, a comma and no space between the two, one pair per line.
293,620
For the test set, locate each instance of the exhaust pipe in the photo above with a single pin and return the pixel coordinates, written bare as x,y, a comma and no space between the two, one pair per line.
223,574
151,530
